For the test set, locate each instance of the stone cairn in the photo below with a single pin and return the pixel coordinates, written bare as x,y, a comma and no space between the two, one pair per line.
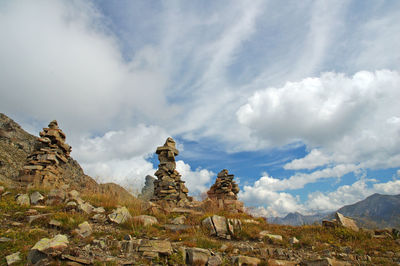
43,166
224,193
169,187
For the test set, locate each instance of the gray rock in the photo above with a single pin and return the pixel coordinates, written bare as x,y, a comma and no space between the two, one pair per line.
325,262
208,224
55,196
214,261
159,246
47,247
346,222
220,224
36,198
197,256
84,230
23,200
86,208
5,239
266,234
177,227
145,219
33,218
13,258
129,246
73,194
148,189
71,205
55,223
293,240
34,256
99,218
99,210
179,220
245,260
120,215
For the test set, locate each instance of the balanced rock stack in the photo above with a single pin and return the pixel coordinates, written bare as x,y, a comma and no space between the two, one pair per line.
43,165
224,192
169,187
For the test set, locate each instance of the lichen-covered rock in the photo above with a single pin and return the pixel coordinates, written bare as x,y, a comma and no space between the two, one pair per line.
13,258
47,247
23,200
55,244
84,230
85,207
120,215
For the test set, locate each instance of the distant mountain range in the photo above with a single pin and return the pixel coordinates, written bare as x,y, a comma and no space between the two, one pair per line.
296,218
376,211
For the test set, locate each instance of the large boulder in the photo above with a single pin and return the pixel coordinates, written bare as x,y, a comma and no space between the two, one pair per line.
120,215
346,222
157,246
47,247
221,227
197,256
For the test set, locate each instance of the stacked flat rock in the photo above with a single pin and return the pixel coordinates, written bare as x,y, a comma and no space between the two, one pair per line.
224,192
43,165
169,186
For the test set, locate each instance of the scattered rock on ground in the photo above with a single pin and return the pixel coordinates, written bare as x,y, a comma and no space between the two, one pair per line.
179,220
13,258
84,230
86,207
36,198
23,200
197,256
246,260
46,246
120,215
159,246
293,240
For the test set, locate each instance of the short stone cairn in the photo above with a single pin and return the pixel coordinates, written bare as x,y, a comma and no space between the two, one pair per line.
224,192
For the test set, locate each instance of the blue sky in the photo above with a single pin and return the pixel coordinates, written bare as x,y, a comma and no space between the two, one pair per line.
297,99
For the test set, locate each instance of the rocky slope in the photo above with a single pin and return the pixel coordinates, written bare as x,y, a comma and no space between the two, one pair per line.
59,227
15,146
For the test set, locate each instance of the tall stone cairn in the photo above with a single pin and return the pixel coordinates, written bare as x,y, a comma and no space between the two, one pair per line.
43,166
169,187
224,192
